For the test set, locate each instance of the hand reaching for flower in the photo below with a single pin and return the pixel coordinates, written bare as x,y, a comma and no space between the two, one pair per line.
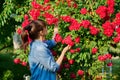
55,30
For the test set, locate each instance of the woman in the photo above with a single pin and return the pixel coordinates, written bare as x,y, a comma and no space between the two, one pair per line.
42,64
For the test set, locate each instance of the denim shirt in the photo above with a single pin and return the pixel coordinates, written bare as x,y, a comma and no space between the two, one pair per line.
41,60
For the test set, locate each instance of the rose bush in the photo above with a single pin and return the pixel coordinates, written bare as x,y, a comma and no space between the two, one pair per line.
90,27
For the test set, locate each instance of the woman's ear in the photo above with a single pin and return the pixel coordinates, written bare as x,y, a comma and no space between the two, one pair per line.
41,32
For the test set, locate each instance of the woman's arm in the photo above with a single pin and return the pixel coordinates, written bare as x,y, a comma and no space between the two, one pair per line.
60,59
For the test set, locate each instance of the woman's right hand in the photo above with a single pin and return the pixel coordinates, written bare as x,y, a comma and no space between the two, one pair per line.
66,49
60,59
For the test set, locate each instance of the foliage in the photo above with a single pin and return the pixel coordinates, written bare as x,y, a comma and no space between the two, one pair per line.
8,20
8,75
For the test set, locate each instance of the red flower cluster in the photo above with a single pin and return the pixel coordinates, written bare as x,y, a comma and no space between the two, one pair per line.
83,11
66,18
104,57
26,21
108,29
74,25
50,18
68,40
104,12
94,30
116,23
35,5
86,23
35,13
18,61
80,73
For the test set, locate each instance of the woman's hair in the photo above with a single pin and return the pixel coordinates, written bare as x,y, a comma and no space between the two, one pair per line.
32,31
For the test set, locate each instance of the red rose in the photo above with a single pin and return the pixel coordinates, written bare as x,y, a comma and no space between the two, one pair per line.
71,61
109,64
19,31
93,30
77,39
118,30
94,50
118,16
83,11
72,50
107,25
58,38
109,56
116,39
108,32
74,25
25,17
77,50
72,75
75,5
101,58
110,3
25,23
102,11
110,10
80,72
65,59
67,66
24,63
66,18
17,61
50,18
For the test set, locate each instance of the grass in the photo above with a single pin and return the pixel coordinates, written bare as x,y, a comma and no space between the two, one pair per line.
9,70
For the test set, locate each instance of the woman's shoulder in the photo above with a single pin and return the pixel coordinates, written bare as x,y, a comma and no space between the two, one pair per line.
38,43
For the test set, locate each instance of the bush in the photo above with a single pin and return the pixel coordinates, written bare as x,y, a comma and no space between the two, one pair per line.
90,27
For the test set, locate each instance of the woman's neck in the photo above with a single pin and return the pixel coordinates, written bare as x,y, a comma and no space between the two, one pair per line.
41,38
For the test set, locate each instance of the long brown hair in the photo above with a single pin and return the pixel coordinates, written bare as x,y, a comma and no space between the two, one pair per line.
32,31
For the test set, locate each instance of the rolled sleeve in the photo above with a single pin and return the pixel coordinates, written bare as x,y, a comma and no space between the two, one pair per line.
47,60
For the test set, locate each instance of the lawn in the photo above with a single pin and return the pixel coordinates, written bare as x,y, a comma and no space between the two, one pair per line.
9,70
